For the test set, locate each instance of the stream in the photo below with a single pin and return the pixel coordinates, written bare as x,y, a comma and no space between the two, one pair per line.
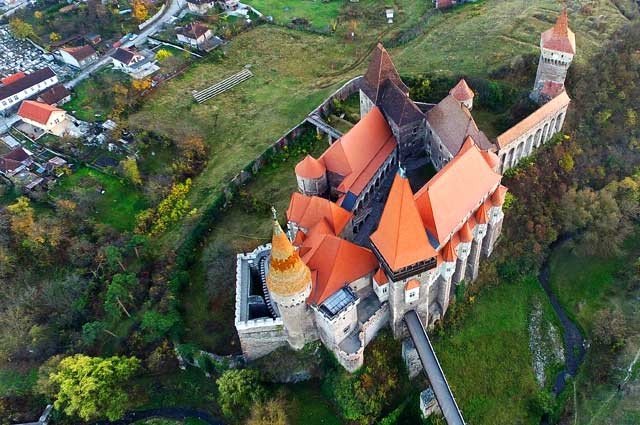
573,339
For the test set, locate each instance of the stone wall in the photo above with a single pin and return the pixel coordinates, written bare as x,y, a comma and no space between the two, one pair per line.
351,361
336,329
376,322
260,337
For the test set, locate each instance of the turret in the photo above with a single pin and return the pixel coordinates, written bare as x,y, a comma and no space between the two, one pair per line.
311,175
289,285
463,94
557,48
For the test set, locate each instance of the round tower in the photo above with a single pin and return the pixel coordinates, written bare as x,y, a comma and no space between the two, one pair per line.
289,285
557,48
312,177
463,94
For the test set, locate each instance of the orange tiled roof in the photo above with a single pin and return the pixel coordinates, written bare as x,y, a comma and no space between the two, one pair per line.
12,78
36,111
497,198
401,237
299,238
548,109
449,252
380,277
287,275
381,68
306,211
310,168
412,284
465,233
455,191
336,263
462,91
560,37
81,52
359,153
482,213
492,159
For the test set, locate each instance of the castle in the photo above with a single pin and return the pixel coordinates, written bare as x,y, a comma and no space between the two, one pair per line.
368,236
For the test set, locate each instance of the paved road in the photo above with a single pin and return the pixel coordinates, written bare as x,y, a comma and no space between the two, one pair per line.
166,412
174,7
439,383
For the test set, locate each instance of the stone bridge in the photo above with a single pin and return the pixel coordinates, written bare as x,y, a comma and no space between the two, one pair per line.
520,141
439,383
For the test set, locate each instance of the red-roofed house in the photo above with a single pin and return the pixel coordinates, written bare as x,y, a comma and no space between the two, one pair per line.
45,117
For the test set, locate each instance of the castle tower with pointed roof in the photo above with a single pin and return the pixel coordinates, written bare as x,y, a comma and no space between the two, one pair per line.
557,48
289,285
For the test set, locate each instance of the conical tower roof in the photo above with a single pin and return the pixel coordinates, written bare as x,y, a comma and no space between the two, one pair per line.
560,37
381,68
462,91
288,275
401,237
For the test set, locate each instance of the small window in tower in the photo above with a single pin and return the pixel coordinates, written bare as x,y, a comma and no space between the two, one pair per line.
346,330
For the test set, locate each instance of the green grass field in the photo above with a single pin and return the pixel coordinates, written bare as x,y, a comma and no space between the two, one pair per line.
92,99
118,205
585,285
320,14
486,357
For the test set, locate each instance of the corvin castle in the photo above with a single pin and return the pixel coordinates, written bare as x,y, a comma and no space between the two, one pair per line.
368,236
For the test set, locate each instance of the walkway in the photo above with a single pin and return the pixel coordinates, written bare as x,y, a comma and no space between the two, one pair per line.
434,372
321,125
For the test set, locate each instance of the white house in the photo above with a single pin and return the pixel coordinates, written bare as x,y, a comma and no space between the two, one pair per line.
45,117
133,63
194,34
22,86
200,6
78,57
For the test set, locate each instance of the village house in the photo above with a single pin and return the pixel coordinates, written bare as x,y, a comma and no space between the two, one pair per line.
200,6
19,159
78,57
18,87
55,96
133,63
229,5
365,243
45,117
195,34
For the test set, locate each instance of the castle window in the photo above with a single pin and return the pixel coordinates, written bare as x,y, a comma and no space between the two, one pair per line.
346,330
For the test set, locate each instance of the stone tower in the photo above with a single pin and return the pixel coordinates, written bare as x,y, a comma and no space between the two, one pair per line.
557,48
289,285
311,176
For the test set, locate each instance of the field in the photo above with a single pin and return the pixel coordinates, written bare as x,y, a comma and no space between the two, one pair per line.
586,284
117,206
92,99
320,14
486,356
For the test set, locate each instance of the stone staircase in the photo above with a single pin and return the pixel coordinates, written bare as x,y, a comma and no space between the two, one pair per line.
222,86
263,277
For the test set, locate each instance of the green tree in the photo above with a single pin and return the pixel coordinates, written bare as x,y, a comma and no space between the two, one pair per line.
91,331
92,387
239,391
120,294
21,29
130,170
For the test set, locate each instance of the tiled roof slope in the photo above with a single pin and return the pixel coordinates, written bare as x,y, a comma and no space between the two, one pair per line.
549,108
359,153
462,91
36,111
287,275
306,211
560,37
29,80
401,237
453,123
310,168
455,190
381,68
397,106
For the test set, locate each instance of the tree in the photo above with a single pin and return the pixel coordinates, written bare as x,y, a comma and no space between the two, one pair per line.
140,11
163,54
273,412
91,331
113,255
130,170
119,294
20,29
141,85
38,14
239,391
91,387
54,36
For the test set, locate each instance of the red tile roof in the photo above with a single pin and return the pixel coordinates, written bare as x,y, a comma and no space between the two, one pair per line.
307,211
455,191
310,168
401,237
381,68
548,109
13,77
359,153
449,252
560,37
482,213
462,91
380,277
80,53
336,263
37,111
498,197
465,234
412,284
